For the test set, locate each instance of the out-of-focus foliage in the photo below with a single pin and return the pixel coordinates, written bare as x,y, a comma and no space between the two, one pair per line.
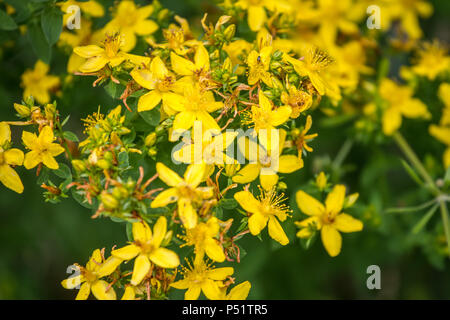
366,119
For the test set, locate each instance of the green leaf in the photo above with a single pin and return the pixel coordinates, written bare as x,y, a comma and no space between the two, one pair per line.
424,220
63,172
228,204
70,136
447,176
115,90
76,194
6,21
39,43
152,117
43,176
52,24
129,231
123,159
307,243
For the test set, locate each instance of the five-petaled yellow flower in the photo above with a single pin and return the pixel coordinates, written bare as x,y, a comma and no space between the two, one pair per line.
130,21
267,210
43,150
38,84
301,138
202,237
9,157
192,71
186,192
327,218
400,103
158,80
111,54
258,64
89,278
202,278
147,248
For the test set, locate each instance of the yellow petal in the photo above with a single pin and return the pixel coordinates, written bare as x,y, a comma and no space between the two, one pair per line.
392,120
174,101
256,17
55,149
159,68
140,270
192,293
440,133
184,120
331,239
276,232
145,27
220,273
280,115
314,220
194,174
214,250
335,199
32,159
29,139
268,181
127,252
346,223
149,100
289,163
256,223
239,292
144,77
5,133
187,213
201,58
207,120
168,176
181,284
248,173
129,294
89,51
164,258
94,64
304,233
159,231
49,161
247,201
141,232
181,65
211,290
84,291
109,266
13,157
94,261
99,289
72,282
164,198
308,204
46,135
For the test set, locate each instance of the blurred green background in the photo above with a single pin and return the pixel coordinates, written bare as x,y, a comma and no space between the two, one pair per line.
38,240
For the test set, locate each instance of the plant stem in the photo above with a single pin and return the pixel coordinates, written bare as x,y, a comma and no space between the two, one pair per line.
412,157
343,152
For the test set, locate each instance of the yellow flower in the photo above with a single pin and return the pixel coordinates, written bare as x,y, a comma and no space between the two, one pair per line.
256,10
258,64
442,131
38,84
202,237
157,78
42,149
239,292
9,157
90,278
432,59
298,100
110,54
203,278
130,21
237,51
407,12
193,71
147,248
195,104
265,163
263,117
301,139
185,192
399,103
327,218
313,66
266,210
91,8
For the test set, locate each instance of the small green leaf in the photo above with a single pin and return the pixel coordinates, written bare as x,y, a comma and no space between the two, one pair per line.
115,90
447,176
52,24
129,230
123,159
70,136
228,204
152,117
424,220
63,172
6,21
411,172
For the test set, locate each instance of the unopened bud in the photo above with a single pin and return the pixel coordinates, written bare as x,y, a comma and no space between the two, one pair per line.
150,139
108,201
229,32
78,165
22,110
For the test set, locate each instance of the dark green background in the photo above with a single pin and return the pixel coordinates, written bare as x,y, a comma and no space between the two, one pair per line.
39,240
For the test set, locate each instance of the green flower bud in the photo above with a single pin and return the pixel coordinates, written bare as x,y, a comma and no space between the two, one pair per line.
22,110
150,139
78,165
229,32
